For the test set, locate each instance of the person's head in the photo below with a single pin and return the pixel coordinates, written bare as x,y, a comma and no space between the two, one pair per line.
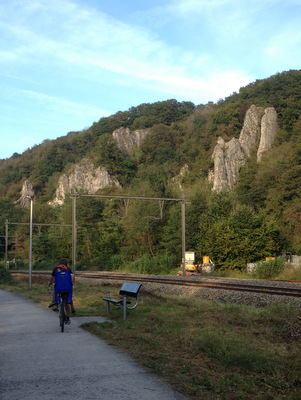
63,261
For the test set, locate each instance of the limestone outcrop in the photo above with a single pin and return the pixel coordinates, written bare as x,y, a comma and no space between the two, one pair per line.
26,193
90,179
258,134
269,129
84,177
228,158
250,134
127,140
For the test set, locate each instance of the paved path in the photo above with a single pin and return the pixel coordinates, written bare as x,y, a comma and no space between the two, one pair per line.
38,362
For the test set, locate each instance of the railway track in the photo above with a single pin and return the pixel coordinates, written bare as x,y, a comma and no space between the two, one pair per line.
210,283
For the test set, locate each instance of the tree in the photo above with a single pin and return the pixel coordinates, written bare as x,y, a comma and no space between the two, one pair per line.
12,214
110,236
44,249
171,242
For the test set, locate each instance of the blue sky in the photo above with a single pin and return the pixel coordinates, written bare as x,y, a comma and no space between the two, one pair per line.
64,64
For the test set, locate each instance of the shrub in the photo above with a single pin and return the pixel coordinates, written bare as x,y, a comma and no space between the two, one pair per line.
269,269
116,262
5,276
148,264
43,265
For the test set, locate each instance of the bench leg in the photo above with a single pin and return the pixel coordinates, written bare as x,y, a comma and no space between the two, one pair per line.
124,308
108,303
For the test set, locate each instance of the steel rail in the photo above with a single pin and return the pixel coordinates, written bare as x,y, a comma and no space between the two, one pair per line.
284,291
243,287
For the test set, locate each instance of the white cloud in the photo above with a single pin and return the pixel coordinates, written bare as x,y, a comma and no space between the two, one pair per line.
91,42
62,63
61,105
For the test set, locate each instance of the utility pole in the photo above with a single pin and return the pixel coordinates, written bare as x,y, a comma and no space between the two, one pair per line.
6,243
183,232
16,250
30,244
74,232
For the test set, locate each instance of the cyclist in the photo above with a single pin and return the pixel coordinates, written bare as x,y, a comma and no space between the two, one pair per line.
63,282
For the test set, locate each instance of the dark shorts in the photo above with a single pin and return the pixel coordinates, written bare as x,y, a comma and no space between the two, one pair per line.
68,297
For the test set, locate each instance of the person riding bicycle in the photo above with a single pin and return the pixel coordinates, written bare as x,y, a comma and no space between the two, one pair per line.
63,283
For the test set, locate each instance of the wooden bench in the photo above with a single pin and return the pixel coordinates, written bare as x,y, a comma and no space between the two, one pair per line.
127,290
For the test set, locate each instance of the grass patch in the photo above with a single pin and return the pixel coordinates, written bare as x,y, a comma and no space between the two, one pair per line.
290,273
206,350
5,276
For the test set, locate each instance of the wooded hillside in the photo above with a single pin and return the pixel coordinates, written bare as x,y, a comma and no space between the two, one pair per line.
261,217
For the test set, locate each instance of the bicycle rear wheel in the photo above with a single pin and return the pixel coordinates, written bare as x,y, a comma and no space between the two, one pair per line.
62,315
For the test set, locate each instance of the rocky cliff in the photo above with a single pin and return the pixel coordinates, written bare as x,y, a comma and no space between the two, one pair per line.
269,129
258,134
85,176
127,140
90,179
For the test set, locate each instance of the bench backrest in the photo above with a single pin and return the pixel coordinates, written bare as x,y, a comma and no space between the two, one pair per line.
130,289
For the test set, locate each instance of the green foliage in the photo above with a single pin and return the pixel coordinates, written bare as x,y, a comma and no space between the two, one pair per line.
5,276
160,265
274,187
228,116
158,146
44,248
110,238
269,269
282,91
172,234
234,235
51,161
260,217
12,214
165,112
108,155
195,211
117,262
230,352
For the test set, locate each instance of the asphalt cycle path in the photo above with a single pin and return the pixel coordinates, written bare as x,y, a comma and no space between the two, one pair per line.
38,362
